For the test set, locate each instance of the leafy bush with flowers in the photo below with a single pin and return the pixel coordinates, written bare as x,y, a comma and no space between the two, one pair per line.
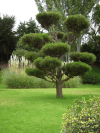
83,117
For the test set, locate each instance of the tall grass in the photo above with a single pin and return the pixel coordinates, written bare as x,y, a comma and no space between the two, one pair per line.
13,79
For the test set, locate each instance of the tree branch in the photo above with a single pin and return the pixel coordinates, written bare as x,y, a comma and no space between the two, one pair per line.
49,80
67,78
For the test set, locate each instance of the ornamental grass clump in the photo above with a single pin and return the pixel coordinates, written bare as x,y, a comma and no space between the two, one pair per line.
83,117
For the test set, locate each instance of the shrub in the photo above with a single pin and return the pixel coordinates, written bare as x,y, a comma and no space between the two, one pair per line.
90,79
72,83
83,117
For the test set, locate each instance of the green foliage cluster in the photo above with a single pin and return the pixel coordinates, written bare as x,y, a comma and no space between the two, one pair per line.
67,35
87,48
26,28
33,55
76,23
90,79
76,68
36,72
96,15
36,40
55,49
47,19
83,117
83,56
60,35
47,64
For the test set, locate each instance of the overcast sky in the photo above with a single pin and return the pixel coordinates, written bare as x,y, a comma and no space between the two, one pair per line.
23,10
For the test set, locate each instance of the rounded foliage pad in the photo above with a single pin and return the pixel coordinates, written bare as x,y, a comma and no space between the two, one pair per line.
76,68
86,57
55,49
47,19
34,72
36,40
47,64
76,23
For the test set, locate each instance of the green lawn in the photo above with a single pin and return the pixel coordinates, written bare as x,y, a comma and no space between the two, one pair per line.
37,110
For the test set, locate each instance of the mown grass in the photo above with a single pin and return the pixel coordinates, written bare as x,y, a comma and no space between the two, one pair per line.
37,110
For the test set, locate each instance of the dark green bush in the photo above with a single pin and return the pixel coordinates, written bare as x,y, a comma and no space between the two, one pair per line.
31,56
90,79
83,117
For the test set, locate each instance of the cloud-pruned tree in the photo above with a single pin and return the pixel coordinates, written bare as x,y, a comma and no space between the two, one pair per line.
48,60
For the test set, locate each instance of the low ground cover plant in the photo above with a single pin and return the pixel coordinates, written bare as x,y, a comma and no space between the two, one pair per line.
83,117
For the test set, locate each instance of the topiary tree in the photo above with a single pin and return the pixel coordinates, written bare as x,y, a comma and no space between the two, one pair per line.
48,59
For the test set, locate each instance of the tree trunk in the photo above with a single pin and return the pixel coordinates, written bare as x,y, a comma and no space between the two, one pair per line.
79,44
59,89
59,84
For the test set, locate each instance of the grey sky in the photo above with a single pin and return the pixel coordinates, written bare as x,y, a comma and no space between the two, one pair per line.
23,10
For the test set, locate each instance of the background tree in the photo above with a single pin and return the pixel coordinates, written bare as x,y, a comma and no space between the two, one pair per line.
93,44
27,27
7,38
48,59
